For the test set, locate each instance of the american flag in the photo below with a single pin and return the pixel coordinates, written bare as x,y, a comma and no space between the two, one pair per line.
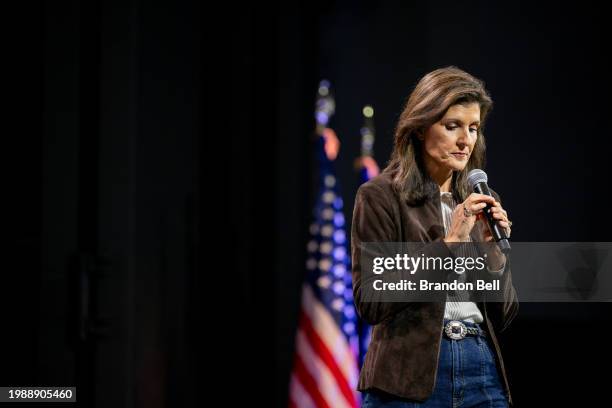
325,371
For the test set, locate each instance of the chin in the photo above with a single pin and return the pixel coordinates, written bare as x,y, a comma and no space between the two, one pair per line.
458,168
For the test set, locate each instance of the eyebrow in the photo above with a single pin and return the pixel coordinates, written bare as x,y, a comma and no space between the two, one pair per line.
477,122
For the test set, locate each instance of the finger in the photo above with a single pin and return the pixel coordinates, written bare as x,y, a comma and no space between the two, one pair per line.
477,198
499,216
476,208
486,201
494,211
501,211
504,224
498,207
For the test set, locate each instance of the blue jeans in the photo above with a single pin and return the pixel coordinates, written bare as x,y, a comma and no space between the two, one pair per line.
467,378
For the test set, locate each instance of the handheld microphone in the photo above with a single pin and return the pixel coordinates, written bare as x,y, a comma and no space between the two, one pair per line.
477,180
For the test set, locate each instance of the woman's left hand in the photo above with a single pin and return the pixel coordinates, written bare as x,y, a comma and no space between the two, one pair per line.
501,216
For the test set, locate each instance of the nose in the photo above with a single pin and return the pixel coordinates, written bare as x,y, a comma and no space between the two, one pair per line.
463,138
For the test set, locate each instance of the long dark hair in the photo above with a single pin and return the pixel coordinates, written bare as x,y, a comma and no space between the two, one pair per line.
433,95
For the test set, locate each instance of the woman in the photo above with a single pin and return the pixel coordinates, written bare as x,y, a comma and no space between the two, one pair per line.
422,196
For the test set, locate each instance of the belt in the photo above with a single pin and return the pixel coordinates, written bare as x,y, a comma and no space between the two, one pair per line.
457,330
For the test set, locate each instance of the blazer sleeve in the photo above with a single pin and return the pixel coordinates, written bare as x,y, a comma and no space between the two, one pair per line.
376,220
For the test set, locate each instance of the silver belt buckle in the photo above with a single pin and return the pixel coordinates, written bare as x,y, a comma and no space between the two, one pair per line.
455,330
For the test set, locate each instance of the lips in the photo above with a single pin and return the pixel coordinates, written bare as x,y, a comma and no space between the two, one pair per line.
460,155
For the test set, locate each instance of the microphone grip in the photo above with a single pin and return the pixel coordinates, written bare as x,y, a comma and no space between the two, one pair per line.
499,234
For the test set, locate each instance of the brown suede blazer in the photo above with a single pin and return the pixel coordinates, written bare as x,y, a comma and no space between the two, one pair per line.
402,357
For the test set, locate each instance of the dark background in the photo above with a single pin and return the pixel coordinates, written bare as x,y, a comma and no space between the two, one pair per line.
161,175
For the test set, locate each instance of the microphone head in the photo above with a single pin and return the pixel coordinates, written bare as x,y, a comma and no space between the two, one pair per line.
476,176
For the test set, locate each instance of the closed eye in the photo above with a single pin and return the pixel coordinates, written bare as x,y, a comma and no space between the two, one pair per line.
451,127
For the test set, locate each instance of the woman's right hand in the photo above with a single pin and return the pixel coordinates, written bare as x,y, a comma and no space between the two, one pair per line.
464,216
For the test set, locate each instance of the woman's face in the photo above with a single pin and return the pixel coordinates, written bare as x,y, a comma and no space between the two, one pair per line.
449,142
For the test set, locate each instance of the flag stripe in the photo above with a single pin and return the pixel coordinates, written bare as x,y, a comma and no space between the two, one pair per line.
298,397
309,383
326,382
328,359
327,329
